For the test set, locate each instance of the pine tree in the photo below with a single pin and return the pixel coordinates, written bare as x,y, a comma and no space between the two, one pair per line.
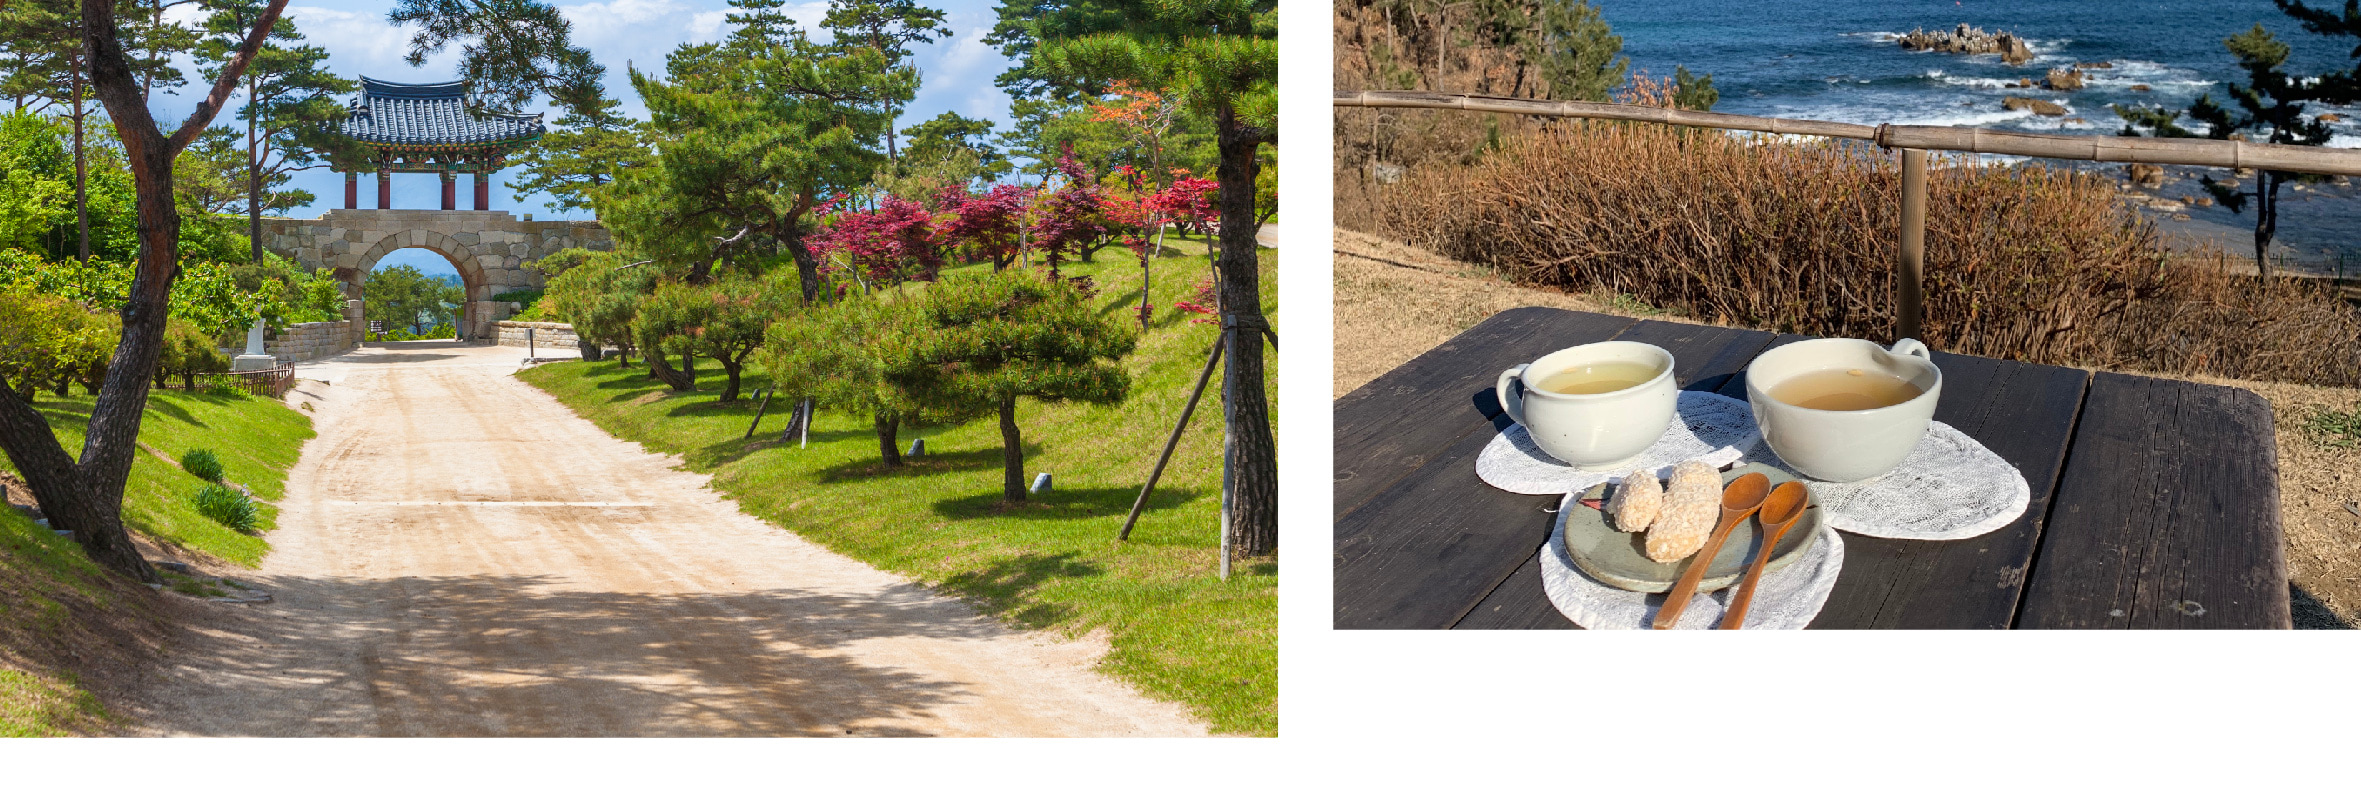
572,162
2271,102
1223,55
290,98
85,494
829,354
756,136
978,343
887,27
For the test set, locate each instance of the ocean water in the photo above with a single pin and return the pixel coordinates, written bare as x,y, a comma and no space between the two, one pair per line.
1833,60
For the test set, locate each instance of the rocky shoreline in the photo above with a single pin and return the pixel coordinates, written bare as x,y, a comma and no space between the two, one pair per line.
1965,40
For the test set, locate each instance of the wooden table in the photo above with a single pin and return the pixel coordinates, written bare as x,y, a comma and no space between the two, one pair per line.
2155,502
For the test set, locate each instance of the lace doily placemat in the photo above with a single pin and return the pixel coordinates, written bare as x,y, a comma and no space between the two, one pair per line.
1712,428
1950,487
1785,599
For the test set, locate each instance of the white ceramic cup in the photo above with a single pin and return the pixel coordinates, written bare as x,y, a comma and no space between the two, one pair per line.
1597,431
1840,446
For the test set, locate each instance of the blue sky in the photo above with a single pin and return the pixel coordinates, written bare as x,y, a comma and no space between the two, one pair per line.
957,72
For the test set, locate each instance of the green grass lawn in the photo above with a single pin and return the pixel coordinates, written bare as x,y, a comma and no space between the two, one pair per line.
53,600
45,583
257,439
1177,631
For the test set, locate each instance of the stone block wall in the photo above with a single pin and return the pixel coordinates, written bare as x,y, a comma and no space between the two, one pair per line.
488,248
310,341
546,334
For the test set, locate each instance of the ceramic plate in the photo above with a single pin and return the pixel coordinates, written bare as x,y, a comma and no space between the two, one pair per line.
1620,559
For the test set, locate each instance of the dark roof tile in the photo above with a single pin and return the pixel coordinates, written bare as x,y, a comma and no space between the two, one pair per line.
429,114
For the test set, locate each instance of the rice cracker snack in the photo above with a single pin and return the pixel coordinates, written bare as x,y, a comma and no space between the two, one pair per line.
1692,500
1636,501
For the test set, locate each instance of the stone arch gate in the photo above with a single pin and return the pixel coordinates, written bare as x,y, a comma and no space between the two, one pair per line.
488,248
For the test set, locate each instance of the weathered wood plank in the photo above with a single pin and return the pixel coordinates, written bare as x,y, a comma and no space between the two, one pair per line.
1397,422
1519,602
2166,516
1443,508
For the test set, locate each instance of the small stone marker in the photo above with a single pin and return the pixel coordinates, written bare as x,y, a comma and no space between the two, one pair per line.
917,448
1041,483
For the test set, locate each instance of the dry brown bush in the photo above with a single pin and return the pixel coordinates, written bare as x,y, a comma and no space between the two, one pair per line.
2024,262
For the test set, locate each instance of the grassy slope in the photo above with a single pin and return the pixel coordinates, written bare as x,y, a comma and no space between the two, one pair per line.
1177,631
256,439
56,603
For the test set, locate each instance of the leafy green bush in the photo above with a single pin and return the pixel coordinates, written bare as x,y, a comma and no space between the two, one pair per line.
232,508
203,464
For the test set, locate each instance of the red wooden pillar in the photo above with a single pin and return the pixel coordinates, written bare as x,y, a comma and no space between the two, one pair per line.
483,191
352,190
450,190
385,189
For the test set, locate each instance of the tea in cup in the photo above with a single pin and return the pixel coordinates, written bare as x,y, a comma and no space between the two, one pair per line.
1594,406
1842,410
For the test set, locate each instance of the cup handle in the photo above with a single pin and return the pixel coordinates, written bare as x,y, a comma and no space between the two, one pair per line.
1511,402
1912,347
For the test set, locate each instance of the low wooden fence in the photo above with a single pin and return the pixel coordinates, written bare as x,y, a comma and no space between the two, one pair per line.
1914,142
267,383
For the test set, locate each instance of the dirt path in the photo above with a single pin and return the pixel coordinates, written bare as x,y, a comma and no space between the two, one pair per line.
459,555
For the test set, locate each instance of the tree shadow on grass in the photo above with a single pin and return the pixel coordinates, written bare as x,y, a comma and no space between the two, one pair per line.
1004,588
743,406
869,465
1065,503
165,408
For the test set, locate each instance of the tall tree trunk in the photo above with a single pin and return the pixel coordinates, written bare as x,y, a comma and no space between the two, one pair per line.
86,496
1012,453
2266,220
662,370
887,427
81,171
1254,505
253,176
729,391
807,268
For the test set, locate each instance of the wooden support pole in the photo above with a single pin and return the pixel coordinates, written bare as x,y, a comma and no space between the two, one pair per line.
1190,409
1910,274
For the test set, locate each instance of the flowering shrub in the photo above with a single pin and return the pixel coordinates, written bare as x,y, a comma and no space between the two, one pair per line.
891,244
1070,218
989,224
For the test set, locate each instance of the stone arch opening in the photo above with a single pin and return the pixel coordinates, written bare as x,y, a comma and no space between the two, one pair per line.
475,309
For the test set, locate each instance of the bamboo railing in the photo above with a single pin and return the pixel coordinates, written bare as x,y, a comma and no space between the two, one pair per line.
1914,141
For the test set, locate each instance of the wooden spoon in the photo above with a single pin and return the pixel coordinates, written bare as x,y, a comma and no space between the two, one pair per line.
1739,500
1780,510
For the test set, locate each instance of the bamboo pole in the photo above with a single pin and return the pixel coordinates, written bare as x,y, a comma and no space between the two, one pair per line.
1910,275
2094,148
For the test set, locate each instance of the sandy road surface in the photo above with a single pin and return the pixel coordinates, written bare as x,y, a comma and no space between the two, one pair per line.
459,555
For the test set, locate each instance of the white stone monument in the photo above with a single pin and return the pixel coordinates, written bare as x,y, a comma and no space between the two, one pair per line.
255,359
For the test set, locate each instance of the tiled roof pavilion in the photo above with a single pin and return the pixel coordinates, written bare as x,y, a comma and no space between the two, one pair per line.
428,128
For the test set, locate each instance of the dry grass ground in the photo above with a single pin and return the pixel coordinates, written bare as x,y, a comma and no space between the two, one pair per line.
1394,302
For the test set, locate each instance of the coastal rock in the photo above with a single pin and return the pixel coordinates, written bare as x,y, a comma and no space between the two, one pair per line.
2095,64
2330,118
1965,40
2204,201
2142,88
2063,80
2146,175
2024,82
2038,106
